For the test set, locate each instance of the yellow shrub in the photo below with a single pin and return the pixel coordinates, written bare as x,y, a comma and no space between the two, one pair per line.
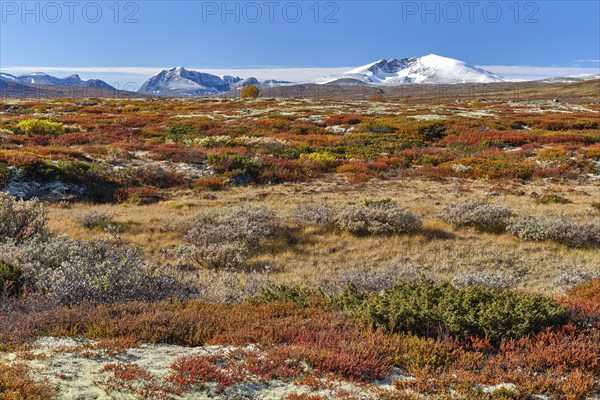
40,127
250,91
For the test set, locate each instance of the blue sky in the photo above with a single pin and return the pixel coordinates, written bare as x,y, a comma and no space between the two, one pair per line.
131,40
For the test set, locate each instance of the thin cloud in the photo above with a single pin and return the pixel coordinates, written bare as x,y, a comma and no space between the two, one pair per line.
529,72
122,76
139,74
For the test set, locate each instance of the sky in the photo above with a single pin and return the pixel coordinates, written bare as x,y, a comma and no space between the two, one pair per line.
125,42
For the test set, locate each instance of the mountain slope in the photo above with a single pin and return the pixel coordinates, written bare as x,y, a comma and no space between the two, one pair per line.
40,78
182,82
430,69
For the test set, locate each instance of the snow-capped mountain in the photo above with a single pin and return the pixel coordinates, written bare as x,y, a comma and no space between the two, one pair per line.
179,81
40,78
430,69
182,82
571,78
8,77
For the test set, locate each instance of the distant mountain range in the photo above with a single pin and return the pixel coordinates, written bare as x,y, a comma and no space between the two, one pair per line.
40,78
180,82
571,79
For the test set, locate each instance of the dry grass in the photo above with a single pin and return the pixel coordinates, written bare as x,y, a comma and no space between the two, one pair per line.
439,251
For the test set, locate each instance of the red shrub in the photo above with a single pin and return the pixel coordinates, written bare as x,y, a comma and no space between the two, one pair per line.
174,153
344,119
40,140
74,138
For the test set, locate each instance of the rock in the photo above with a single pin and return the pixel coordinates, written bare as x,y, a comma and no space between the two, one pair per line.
24,188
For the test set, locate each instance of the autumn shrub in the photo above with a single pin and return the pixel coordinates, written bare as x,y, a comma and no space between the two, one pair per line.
322,160
175,153
497,167
343,119
250,92
425,307
356,171
39,127
16,383
137,195
39,140
564,231
74,139
11,279
592,152
376,218
20,219
155,176
209,183
480,215
278,170
587,291
315,344
427,156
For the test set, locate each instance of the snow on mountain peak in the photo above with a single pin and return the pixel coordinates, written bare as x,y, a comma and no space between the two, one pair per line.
41,78
427,69
178,81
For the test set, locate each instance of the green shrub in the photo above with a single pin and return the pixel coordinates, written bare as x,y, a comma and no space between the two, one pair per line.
5,175
377,127
179,130
425,307
66,171
78,171
223,163
11,279
298,295
432,132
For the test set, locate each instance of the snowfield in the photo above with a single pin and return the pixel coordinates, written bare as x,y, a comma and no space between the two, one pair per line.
430,69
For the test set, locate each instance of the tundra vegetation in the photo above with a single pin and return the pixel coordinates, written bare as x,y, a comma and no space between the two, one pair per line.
346,249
